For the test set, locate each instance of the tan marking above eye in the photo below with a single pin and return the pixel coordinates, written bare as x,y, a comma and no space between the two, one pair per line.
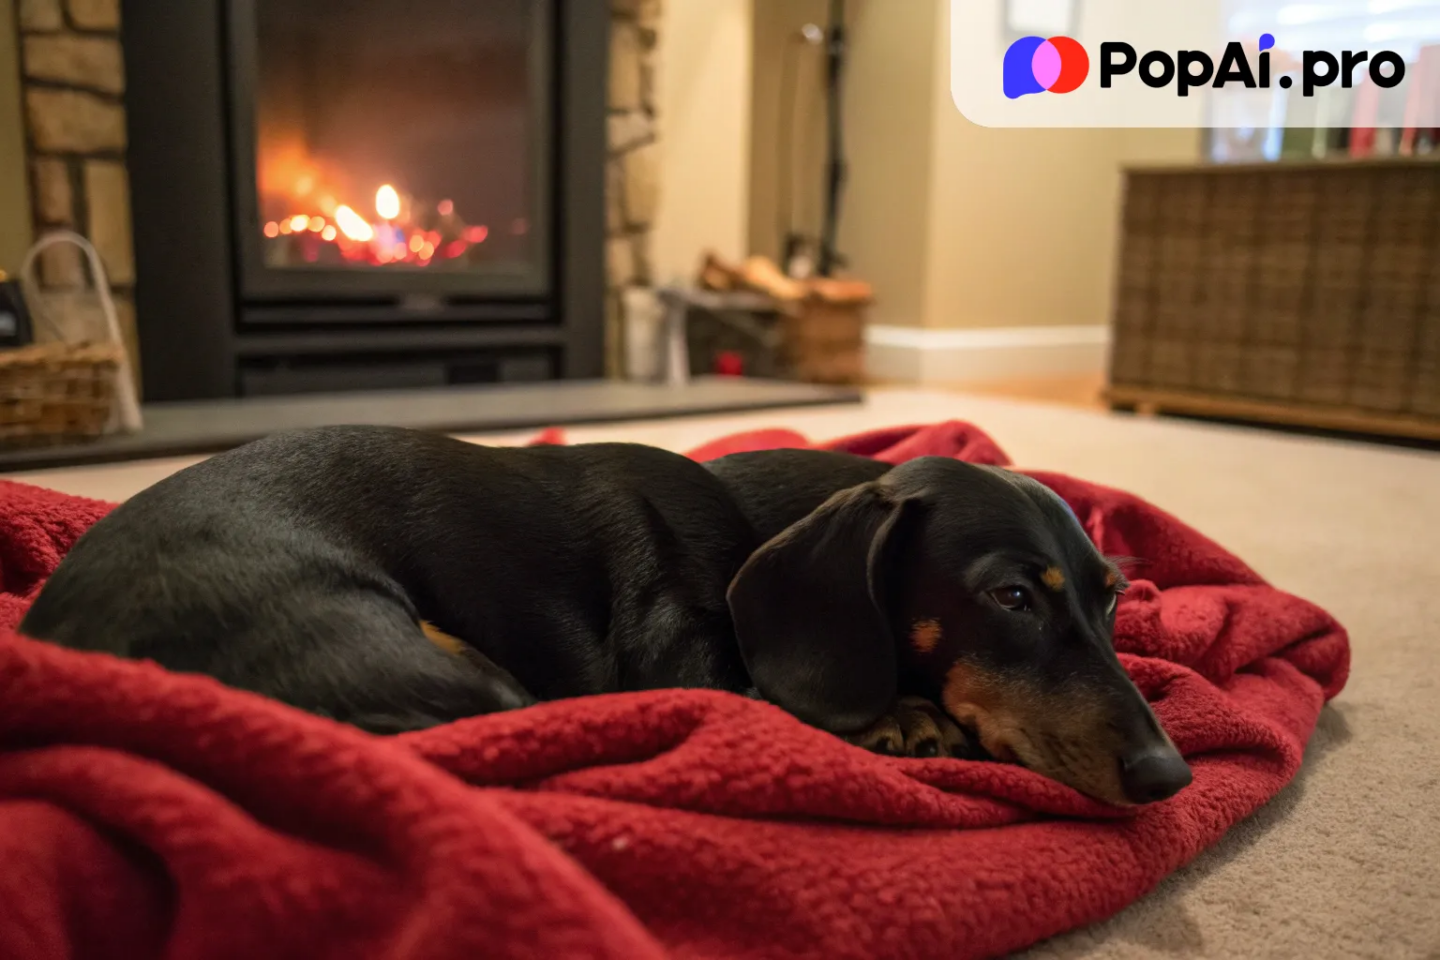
1053,578
1111,579
925,635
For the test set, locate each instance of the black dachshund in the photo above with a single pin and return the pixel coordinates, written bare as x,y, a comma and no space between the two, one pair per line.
396,580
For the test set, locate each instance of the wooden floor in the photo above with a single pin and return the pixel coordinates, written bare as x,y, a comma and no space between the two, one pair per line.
1401,427
1082,392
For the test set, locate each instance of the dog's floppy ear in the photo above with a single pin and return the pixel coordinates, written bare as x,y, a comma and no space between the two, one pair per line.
810,616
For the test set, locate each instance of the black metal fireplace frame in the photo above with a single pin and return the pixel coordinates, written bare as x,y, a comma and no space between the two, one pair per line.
197,327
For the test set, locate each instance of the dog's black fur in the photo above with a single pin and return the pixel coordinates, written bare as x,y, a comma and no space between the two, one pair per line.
310,566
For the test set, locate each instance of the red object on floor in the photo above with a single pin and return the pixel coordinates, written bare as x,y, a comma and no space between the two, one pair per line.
144,813
728,363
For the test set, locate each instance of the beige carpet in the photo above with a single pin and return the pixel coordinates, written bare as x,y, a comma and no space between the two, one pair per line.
1346,861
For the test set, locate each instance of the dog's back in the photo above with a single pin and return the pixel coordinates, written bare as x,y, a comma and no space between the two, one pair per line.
776,488
581,570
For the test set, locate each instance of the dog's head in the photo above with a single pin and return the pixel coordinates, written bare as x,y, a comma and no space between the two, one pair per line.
979,587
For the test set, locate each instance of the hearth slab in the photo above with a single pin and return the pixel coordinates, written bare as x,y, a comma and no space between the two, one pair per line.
208,426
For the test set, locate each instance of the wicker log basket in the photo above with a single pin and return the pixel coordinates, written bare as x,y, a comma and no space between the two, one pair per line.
57,393
821,320
72,388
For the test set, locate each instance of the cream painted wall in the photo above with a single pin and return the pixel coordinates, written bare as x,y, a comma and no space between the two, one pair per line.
889,102
1024,223
798,123
704,116
956,225
890,208
15,231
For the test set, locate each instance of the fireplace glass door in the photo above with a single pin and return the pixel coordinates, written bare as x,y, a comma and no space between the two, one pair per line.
384,147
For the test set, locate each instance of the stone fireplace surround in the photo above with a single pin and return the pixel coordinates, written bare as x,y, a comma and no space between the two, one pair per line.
73,87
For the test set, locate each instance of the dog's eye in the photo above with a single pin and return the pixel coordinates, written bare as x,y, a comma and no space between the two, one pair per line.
1012,598
1110,607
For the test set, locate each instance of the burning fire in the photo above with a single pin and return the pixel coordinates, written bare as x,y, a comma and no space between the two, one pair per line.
353,225
387,202
402,230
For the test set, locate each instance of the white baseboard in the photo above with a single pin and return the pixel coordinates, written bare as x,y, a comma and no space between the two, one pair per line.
918,355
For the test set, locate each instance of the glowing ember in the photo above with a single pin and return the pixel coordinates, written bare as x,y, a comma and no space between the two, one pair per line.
404,230
387,202
353,225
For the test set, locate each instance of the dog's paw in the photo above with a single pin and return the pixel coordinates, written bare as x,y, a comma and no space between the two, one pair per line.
915,727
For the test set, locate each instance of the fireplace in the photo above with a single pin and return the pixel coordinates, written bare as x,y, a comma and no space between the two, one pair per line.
358,194
392,150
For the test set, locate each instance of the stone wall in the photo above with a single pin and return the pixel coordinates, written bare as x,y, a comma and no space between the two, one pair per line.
632,176
73,86
73,83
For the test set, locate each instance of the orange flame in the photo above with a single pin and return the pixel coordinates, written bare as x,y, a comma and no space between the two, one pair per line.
353,225
387,202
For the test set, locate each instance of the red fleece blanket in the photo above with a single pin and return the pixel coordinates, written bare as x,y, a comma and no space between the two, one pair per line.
144,813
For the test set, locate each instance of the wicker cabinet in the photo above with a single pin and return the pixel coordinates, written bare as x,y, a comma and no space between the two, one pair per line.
1293,293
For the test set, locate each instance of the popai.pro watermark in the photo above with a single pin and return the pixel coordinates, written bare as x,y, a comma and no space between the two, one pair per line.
1200,63
1189,69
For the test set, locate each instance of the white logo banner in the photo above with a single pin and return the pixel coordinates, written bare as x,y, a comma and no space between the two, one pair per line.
1197,63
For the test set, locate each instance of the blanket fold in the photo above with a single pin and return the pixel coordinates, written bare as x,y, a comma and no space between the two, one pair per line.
145,813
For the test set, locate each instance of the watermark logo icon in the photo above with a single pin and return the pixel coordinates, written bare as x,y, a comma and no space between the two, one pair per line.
1038,65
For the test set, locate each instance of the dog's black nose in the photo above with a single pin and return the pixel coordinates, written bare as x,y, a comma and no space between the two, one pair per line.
1154,775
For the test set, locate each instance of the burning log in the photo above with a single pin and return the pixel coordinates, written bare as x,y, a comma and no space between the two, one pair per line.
405,230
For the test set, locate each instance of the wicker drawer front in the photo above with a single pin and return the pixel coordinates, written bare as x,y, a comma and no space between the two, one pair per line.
1308,284
1426,394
